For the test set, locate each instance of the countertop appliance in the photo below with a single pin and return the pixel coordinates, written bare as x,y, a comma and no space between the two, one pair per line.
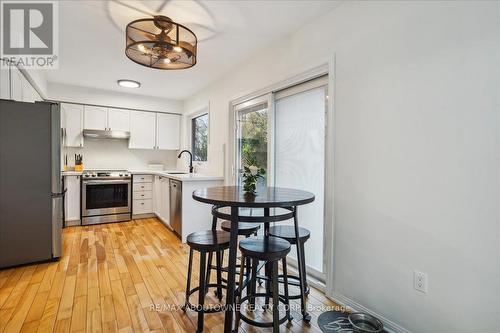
176,206
31,192
106,196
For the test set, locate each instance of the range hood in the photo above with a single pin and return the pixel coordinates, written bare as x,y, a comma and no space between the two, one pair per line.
102,134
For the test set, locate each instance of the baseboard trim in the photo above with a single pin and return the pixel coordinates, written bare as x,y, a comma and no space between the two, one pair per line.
143,216
72,223
389,325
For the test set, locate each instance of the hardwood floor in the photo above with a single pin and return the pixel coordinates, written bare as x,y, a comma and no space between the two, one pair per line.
109,279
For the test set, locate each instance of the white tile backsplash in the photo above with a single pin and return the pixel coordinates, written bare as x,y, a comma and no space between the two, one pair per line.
114,154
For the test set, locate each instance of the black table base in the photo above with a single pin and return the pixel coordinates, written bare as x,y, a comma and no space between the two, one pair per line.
266,198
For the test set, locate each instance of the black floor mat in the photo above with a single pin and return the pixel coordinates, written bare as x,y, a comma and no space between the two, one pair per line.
335,322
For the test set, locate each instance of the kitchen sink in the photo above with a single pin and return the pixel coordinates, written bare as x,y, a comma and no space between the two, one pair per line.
177,173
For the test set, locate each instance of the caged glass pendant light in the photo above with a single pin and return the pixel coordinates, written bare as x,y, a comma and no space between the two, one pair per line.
160,43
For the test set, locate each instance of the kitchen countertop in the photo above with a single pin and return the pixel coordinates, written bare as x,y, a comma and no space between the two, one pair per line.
188,177
182,177
72,173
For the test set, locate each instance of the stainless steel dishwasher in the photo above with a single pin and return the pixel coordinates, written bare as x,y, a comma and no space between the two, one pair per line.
176,206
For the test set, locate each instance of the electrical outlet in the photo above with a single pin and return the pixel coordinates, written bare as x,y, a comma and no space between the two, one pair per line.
420,281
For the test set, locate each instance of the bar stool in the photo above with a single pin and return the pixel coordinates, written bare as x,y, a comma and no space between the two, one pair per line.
244,229
209,241
270,250
288,233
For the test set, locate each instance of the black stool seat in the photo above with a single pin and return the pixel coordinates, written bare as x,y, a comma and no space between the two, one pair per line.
271,250
208,240
264,248
244,229
288,232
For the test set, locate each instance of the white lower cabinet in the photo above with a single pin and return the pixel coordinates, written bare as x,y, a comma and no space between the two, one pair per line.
143,207
161,195
143,186
142,195
72,200
156,195
165,199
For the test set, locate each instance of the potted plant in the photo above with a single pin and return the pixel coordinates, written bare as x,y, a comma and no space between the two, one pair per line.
251,174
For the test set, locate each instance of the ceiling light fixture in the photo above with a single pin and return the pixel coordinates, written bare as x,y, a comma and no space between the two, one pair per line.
129,83
161,43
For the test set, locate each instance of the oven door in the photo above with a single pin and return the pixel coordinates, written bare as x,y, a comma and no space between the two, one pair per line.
105,197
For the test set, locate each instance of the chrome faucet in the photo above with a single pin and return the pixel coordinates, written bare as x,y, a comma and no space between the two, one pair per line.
190,159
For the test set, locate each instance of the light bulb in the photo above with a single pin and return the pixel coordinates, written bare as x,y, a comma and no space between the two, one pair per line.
129,83
167,61
141,48
177,49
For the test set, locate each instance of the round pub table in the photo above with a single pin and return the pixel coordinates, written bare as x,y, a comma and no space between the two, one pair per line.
233,198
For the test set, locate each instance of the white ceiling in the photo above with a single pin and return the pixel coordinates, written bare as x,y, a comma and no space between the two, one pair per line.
92,40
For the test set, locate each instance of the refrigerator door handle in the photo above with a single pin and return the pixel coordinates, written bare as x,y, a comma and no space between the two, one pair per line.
59,195
57,222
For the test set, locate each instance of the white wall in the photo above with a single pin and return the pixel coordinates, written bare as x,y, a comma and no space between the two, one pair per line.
114,154
38,81
127,99
416,153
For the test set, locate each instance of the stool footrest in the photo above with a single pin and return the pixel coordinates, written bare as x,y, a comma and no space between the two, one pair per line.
196,308
295,283
260,323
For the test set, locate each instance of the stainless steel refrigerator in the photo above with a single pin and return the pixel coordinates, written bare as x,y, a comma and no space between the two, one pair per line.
31,192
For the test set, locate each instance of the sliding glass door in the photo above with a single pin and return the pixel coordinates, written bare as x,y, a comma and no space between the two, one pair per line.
252,136
284,133
299,142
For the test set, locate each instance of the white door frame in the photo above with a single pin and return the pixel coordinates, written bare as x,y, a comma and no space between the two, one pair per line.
240,109
268,93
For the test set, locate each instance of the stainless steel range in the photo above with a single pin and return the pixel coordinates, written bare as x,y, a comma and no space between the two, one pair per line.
106,196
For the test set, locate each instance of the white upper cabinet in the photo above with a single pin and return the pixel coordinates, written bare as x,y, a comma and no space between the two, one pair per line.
119,120
5,82
95,118
167,131
101,118
142,130
72,123
28,92
16,84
